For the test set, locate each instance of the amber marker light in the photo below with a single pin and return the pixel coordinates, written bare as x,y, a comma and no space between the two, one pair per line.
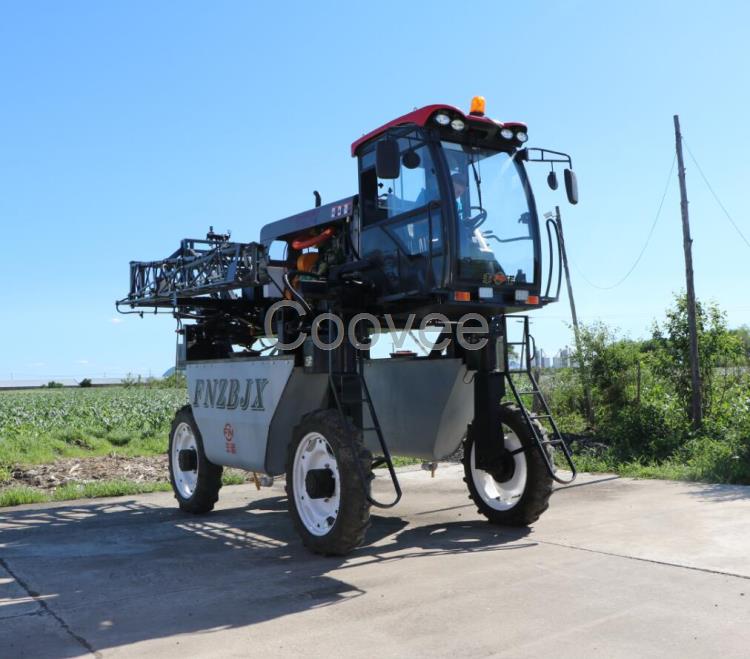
477,106
462,296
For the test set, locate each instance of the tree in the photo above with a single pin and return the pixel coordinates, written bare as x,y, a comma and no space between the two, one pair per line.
717,347
611,362
742,333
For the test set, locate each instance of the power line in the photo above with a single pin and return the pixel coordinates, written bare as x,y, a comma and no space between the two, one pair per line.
716,197
645,245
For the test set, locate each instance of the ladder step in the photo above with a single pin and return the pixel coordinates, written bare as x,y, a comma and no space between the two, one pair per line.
540,416
338,377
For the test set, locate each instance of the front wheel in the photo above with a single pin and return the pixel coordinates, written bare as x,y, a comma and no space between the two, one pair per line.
195,481
326,497
518,493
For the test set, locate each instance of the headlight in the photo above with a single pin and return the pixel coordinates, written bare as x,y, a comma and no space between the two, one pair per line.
458,124
507,133
443,119
521,136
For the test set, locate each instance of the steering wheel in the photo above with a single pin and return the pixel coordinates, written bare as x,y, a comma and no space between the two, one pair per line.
475,221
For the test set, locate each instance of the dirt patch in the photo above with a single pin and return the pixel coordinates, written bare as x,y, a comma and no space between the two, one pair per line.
150,469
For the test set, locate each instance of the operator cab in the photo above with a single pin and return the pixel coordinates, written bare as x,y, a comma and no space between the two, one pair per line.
447,213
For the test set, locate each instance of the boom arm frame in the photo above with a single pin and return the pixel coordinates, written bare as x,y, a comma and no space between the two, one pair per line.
198,270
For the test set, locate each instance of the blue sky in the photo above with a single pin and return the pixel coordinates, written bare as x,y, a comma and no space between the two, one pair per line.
126,126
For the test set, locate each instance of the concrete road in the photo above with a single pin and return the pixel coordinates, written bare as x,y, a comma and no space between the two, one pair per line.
615,568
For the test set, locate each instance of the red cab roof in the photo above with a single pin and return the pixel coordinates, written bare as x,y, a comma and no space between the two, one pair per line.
420,117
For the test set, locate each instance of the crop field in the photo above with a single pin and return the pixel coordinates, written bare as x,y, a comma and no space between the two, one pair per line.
39,426
120,408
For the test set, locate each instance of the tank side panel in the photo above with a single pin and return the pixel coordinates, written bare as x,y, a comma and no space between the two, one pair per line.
458,412
423,405
233,402
304,393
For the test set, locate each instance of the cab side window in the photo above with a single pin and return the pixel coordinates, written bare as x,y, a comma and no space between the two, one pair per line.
402,230
415,186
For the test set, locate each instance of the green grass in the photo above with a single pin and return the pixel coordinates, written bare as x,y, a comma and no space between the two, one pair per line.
400,461
232,479
668,470
111,488
19,495
16,496
702,460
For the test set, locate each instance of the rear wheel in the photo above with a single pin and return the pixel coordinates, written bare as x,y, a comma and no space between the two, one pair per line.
326,497
518,492
195,481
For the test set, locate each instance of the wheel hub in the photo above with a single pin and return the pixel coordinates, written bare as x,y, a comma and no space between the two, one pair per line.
503,467
320,483
184,463
316,484
187,459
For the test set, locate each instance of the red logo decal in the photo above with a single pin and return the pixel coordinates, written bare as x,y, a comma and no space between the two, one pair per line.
229,436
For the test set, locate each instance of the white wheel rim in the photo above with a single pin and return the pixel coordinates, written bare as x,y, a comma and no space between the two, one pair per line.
505,495
318,515
185,481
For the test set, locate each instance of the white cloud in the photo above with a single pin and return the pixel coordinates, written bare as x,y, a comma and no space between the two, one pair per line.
116,321
82,361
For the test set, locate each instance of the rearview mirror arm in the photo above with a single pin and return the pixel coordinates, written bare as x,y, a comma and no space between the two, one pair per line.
526,156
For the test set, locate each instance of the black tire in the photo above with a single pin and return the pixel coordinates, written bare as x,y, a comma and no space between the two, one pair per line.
352,516
533,500
205,493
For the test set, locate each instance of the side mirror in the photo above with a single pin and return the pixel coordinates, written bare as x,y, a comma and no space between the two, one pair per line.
571,186
387,159
552,180
411,160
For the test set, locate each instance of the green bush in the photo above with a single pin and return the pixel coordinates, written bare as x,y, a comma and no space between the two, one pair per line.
641,399
563,391
718,460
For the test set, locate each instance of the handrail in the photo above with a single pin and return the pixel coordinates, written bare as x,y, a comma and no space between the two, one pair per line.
551,222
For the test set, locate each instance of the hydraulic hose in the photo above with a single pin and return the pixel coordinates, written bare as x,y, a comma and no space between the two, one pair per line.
300,243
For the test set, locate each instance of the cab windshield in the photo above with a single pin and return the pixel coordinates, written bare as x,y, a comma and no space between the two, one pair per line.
495,229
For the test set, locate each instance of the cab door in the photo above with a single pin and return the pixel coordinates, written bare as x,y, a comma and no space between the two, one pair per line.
402,232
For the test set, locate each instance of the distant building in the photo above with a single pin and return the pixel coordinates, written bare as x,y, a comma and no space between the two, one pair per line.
541,360
563,358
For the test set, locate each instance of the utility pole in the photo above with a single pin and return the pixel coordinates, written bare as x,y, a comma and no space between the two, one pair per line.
696,407
576,330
